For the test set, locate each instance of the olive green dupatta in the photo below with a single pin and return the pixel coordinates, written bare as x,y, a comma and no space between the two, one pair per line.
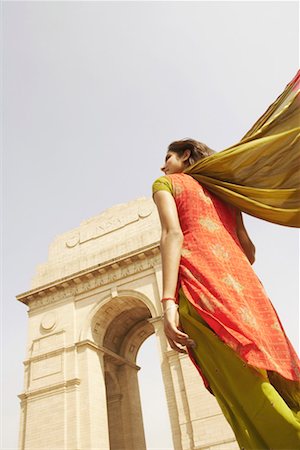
260,175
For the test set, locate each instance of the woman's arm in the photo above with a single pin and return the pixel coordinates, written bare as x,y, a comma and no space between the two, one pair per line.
170,242
244,238
170,247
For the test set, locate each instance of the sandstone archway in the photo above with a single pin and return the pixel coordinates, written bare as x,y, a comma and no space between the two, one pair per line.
90,308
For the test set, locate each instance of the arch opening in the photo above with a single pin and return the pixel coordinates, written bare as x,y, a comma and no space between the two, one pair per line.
157,424
120,327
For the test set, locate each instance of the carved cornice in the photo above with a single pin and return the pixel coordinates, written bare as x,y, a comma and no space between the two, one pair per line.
92,278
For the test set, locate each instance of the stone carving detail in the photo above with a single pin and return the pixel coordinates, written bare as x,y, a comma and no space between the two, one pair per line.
48,321
98,280
97,327
145,210
108,223
73,241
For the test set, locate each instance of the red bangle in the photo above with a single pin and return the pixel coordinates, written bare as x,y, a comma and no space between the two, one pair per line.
168,298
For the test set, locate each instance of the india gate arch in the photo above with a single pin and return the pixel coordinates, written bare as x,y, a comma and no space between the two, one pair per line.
119,326
90,308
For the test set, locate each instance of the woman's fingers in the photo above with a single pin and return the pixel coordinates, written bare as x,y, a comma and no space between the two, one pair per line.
175,347
173,333
174,340
171,327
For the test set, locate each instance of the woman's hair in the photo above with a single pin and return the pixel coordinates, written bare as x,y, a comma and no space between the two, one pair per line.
198,149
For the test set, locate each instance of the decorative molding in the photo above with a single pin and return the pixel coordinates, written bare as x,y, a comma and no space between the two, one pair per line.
38,356
48,321
48,343
107,223
95,277
49,389
114,291
113,357
117,359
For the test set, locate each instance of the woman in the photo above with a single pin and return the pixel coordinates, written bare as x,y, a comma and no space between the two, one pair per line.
225,319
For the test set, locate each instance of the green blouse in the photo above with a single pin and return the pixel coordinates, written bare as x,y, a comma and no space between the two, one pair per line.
162,184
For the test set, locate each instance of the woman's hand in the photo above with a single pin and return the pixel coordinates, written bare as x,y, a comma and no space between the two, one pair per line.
176,338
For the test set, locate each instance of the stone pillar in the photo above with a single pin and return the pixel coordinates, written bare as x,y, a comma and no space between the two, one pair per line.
208,426
196,419
184,418
93,408
114,408
131,409
49,406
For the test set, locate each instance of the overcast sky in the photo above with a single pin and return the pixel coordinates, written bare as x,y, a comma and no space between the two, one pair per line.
93,93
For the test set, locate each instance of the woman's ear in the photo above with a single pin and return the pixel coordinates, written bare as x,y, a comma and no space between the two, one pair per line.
186,155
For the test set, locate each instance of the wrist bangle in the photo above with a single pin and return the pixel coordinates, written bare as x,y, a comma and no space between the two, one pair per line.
164,299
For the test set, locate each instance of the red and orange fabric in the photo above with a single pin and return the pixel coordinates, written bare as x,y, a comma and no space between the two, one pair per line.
218,280
242,352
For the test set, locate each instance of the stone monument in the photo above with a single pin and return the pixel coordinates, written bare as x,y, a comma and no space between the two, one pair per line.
91,306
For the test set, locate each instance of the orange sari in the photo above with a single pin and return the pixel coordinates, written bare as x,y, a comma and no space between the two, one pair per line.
242,353
218,280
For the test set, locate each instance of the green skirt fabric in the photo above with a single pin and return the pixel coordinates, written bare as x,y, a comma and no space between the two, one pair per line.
258,414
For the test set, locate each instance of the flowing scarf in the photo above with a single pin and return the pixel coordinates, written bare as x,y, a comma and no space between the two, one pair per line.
260,175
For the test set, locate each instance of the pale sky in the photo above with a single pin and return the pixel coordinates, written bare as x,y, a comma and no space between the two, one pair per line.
92,95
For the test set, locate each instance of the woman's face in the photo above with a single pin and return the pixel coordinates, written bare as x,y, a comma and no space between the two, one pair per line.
173,163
